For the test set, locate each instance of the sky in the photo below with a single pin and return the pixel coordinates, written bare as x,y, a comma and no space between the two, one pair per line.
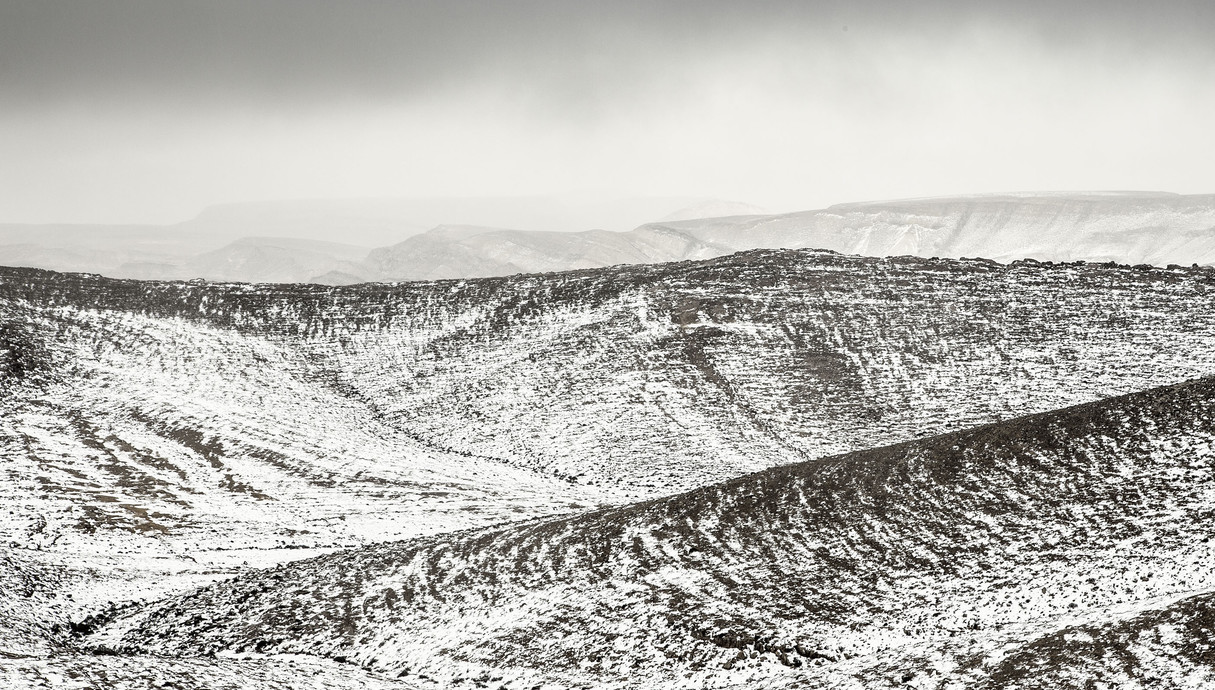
147,111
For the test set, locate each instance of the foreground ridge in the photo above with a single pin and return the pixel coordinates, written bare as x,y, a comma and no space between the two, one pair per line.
929,561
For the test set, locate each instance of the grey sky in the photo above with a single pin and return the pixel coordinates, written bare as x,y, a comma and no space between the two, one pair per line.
125,111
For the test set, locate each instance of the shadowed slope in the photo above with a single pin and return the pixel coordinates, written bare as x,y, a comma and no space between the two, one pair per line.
802,574
1169,647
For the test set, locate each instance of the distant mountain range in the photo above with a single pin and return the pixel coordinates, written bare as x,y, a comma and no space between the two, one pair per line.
1124,227
296,233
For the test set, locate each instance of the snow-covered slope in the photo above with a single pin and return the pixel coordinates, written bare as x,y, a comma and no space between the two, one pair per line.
94,672
273,260
1168,646
157,436
144,453
632,380
655,378
1062,532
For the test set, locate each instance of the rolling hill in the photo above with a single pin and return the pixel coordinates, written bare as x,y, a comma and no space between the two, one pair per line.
1050,536
159,436
630,380
215,245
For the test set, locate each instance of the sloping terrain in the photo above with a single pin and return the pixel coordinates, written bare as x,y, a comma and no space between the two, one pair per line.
143,455
659,378
88,672
636,380
1040,537
1166,647
159,436
199,248
273,260
126,251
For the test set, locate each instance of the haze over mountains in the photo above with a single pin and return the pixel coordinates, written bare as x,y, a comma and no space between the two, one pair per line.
348,242
288,228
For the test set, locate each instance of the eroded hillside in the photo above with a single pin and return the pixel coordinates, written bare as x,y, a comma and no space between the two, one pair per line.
931,562
159,436
650,378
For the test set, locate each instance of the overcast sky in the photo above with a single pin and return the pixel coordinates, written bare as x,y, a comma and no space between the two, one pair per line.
128,111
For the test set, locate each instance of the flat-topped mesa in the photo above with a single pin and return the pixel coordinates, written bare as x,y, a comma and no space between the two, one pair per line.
1126,227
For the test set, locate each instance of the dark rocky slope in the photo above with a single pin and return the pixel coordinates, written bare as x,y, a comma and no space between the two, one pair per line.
901,564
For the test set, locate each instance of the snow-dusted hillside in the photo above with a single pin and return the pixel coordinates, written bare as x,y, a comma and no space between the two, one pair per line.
144,454
1168,646
643,379
1059,538
157,436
